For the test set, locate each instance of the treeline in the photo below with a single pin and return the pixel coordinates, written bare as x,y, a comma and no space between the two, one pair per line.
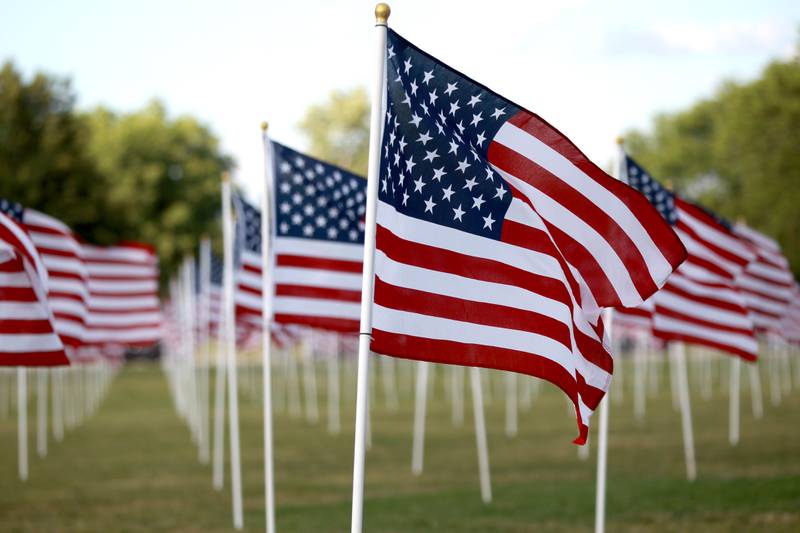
134,176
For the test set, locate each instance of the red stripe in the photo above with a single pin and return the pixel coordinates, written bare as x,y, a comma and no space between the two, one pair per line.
487,314
456,353
726,305
707,324
328,323
18,294
54,358
583,208
652,222
26,327
691,339
96,311
337,265
441,260
323,293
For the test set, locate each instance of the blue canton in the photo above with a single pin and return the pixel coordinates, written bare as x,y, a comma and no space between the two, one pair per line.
316,200
13,210
216,270
658,195
436,135
248,230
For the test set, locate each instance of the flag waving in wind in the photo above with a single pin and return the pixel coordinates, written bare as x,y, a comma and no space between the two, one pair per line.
498,242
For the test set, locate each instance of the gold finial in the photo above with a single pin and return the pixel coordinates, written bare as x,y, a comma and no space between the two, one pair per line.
669,185
264,126
226,176
620,140
382,12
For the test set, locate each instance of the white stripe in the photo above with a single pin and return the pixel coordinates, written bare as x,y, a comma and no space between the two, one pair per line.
119,253
133,286
100,303
125,318
120,270
22,343
312,277
317,307
14,279
701,311
726,338
121,336
22,311
714,236
319,249
563,169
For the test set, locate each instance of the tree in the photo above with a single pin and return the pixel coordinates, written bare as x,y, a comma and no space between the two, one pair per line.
338,129
737,153
44,161
162,180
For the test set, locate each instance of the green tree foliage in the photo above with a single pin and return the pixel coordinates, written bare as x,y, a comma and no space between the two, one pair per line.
43,150
162,179
738,153
139,176
338,129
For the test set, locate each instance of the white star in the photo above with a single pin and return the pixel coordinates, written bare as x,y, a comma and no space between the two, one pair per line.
414,87
297,198
474,99
438,173
450,88
407,64
418,185
285,207
353,234
481,139
321,221
448,192
454,107
440,127
424,108
458,213
402,179
476,118
406,100
433,97
285,187
470,184
424,138
427,76
460,127
488,221
392,137
402,143
477,202
397,159
332,232
391,52
415,119
285,167
297,218
410,163
284,227
489,174
308,229
405,197
383,185
442,117
453,148
429,205
498,113
430,156
463,165
308,210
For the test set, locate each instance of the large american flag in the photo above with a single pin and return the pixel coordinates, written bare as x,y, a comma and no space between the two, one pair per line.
701,303
498,242
27,331
319,242
766,283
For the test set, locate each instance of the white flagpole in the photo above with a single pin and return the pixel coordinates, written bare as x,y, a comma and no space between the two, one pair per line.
58,404
204,338
602,444
382,12
511,404
22,422
266,328
480,435
457,394
230,348
640,382
218,477
310,378
420,405
755,391
677,353
41,404
733,407
389,383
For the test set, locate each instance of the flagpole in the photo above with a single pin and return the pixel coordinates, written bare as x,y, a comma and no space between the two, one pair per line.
382,13
602,446
22,422
733,408
420,404
41,404
511,404
230,348
755,391
677,353
480,435
266,315
204,338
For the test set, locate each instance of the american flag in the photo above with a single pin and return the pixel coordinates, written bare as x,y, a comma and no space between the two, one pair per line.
790,325
124,308
247,263
766,283
701,303
319,242
498,241
27,332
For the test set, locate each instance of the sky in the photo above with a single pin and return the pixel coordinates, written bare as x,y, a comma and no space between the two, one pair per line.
593,69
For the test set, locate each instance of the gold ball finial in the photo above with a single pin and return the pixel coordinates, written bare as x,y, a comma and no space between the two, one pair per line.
264,126
226,176
669,185
382,12
620,140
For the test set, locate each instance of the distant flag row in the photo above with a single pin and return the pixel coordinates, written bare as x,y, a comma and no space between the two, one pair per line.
62,299
734,285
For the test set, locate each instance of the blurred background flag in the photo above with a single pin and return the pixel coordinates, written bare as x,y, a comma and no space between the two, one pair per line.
701,302
498,241
26,323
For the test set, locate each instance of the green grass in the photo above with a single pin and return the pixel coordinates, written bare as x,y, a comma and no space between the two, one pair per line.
132,467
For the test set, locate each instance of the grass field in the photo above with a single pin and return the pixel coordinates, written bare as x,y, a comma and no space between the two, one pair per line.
132,467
